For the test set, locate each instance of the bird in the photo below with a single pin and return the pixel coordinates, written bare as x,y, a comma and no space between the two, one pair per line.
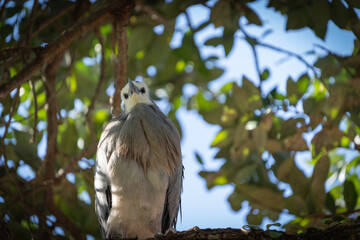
138,171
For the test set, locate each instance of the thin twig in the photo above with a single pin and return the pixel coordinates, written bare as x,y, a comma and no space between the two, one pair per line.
24,195
69,167
7,125
289,53
340,59
65,222
3,8
31,23
52,19
155,15
33,137
256,59
101,81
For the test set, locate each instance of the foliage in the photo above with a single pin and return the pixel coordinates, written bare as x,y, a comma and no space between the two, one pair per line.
50,122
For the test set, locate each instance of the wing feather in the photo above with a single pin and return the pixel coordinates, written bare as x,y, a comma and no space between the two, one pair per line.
102,183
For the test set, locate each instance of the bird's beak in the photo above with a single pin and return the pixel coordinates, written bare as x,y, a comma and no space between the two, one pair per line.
133,88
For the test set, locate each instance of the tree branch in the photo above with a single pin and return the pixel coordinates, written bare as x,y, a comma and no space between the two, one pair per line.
33,137
120,76
102,79
51,50
65,222
289,53
69,167
53,18
156,16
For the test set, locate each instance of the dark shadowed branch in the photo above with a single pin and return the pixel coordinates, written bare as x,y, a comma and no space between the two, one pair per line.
53,49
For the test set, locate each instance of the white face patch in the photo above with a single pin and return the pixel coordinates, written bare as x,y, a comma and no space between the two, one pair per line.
130,100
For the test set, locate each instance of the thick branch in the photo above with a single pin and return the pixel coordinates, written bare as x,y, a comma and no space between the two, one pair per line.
120,77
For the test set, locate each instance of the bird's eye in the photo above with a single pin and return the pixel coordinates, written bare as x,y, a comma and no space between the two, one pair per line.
142,90
126,96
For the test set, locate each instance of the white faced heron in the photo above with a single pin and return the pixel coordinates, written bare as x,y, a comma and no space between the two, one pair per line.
138,172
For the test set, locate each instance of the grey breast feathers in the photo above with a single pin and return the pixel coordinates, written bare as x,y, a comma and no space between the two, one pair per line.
144,135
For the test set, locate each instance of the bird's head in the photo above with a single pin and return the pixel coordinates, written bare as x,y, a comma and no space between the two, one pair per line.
134,93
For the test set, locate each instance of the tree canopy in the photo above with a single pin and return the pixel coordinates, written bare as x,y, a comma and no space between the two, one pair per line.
63,64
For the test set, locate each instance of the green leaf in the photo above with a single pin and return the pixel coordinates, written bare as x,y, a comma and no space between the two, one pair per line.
339,13
268,226
292,91
350,195
69,137
254,219
244,172
222,139
221,13
330,203
228,116
252,17
319,12
329,66
211,110
227,87
100,116
353,3
253,94
215,41
137,33
288,172
228,40
263,196
25,150
240,98
199,158
302,84
211,177
317,184
296,19
260,137
265,74
296,205
71,82
235,201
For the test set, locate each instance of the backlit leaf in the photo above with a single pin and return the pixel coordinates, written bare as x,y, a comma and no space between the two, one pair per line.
350,195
